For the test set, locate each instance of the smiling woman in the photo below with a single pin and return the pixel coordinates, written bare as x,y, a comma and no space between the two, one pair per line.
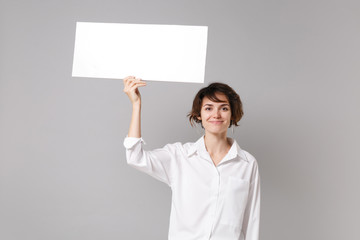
215,184
216,107
218,93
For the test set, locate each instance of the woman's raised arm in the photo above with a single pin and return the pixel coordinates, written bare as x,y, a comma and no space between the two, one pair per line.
131,85
157,163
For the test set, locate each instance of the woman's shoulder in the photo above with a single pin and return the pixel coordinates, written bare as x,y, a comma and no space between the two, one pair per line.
180,145
249,156
244,154
185,148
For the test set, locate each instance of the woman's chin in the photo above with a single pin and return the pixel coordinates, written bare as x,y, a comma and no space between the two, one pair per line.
217,130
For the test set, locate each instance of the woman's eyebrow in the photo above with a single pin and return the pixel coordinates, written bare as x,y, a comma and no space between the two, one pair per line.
224,104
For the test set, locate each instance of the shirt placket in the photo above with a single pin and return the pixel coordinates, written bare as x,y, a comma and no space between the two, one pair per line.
215,191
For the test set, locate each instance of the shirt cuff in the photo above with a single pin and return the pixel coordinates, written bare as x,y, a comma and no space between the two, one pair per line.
129,142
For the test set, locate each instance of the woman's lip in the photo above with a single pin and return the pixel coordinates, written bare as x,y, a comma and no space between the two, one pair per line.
216,122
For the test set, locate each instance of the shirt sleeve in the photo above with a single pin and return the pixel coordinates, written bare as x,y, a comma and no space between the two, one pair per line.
157,163
251,221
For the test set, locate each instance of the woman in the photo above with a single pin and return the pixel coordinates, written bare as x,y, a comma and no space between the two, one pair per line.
215,184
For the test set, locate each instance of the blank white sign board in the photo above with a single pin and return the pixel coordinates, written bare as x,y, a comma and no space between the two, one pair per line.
172,53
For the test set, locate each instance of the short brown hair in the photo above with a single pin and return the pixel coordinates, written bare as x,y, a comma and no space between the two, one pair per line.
209,92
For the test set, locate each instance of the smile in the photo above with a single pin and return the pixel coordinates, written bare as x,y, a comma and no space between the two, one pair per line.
216,122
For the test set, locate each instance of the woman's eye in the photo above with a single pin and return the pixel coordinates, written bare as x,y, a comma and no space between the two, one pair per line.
225,109
207,109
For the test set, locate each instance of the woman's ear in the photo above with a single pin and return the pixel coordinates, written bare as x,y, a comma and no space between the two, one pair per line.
199,118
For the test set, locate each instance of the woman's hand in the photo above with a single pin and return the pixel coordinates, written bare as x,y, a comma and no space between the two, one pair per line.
131,85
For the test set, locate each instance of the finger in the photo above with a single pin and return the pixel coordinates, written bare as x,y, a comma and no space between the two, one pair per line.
136,85
133,89
142,84
135,81
126,79
131,84
139,80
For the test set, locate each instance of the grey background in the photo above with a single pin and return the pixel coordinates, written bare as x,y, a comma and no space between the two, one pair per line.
295,64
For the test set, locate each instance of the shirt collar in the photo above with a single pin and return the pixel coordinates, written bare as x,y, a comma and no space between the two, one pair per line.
235,150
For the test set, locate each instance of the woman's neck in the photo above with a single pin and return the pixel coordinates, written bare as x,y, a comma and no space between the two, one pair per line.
216,143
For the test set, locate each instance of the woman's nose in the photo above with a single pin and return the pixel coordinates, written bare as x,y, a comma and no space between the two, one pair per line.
217,114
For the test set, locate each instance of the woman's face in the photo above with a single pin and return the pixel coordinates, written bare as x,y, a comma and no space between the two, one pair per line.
215,116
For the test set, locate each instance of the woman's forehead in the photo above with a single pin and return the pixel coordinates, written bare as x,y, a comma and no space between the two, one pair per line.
220,96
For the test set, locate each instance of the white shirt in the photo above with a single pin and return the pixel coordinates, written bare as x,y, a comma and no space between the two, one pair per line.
208,202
